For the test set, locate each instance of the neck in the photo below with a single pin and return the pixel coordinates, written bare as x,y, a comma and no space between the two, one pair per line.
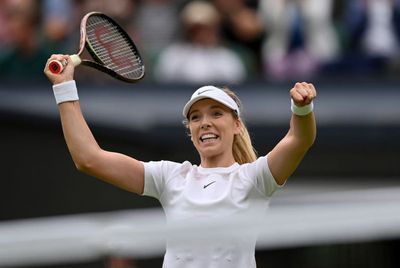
217,161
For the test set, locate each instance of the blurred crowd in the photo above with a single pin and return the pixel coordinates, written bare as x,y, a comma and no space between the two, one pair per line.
185,41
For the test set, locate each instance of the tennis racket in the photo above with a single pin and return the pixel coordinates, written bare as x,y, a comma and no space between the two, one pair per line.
111,48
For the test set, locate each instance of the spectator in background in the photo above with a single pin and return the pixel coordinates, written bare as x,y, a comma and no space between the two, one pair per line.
123,11
24,56
200,57
242,26
371,38
396,21
380,40
59,24
157,27
396,18
300,37
4,28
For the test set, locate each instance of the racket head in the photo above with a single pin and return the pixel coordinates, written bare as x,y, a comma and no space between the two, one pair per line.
110,46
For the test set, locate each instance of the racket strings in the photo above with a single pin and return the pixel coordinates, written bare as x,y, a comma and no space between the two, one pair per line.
113,47
103,53
113,39
118,56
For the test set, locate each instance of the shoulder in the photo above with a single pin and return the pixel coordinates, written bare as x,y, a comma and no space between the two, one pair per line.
258,163
256,170
159,174
259,173
164,167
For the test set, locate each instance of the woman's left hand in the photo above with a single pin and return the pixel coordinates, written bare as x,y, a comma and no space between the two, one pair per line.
303,93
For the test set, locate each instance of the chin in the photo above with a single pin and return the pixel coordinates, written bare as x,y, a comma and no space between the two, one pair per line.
210,153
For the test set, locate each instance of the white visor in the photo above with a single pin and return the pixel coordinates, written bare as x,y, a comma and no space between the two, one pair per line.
211,92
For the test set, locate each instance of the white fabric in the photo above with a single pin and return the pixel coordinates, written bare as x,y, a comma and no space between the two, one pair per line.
65,91
212,93
319,33
380,37
197,64
303,110
190,192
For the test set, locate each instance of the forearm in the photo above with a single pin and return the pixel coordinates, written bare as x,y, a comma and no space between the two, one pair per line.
288,153
80,140
303,131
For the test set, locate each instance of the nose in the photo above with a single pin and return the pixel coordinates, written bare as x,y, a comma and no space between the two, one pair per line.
205,126
205,123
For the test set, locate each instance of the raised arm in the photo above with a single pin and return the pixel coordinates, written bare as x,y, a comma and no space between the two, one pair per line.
117,169
288,153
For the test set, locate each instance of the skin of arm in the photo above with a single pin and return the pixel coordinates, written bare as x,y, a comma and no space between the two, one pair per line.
288,153
120,170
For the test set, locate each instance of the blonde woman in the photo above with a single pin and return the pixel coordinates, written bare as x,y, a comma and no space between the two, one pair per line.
228,180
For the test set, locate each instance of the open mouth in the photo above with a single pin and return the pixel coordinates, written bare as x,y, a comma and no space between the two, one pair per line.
208,137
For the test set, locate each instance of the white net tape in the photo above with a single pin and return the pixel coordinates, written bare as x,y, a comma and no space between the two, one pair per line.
363,215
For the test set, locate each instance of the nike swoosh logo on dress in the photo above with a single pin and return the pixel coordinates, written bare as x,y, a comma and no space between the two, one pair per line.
205,186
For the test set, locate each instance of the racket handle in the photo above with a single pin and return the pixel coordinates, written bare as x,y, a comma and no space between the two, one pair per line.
56,66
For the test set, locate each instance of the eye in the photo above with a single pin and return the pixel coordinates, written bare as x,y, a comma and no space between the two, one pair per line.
217,113
194,117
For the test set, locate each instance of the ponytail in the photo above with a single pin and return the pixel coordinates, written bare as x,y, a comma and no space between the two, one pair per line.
242,149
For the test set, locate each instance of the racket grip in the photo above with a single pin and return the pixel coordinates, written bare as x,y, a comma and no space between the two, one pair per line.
56,66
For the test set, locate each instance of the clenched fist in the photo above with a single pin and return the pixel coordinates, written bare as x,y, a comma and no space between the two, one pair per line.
303,93
66,75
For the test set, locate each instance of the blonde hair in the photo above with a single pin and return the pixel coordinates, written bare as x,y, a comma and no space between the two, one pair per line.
242,149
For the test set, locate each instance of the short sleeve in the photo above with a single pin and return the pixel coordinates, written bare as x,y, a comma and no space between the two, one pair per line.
156,174
261,176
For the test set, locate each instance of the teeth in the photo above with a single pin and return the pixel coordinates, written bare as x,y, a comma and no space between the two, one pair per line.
208,136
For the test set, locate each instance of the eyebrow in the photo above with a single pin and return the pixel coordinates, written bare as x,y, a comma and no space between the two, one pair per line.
218,106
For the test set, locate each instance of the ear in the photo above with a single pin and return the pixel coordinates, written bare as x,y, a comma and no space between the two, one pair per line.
238,126
188,133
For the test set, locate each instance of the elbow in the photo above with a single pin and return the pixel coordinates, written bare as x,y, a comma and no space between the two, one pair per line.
81,166
85,165
86,160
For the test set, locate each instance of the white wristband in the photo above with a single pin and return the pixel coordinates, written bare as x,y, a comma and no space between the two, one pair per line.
301,111
65,91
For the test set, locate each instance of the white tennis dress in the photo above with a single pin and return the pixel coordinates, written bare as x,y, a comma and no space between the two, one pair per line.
190,192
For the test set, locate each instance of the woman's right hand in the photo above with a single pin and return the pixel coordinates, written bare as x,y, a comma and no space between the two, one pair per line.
66,75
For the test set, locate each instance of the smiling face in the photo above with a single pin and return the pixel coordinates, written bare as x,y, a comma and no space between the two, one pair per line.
212,127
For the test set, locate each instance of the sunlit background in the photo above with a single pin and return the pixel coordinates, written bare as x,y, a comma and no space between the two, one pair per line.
349,49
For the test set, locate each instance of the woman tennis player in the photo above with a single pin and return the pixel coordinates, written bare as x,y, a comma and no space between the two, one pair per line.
229,180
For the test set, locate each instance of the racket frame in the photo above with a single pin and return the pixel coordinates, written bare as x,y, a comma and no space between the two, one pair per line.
97,63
